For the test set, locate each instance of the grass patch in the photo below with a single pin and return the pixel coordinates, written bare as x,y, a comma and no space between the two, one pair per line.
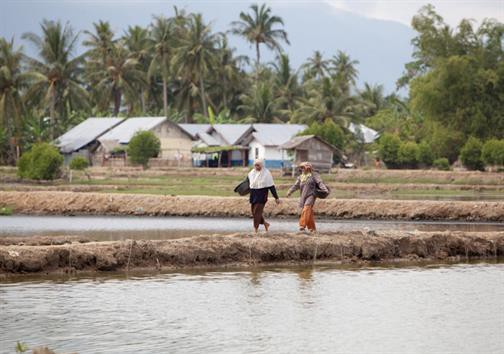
6,211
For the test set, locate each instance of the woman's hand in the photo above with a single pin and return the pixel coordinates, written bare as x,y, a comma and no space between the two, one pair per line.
277,201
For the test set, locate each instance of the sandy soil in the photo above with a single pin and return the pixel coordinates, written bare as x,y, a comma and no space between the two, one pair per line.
71,203
245,249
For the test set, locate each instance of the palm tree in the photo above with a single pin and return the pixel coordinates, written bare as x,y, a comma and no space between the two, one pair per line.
286,84
344,71
258,28
12,82
55,78
260,104
162,42
228,75
372,96
324,101
195,56
316,67
101,42
121,76
136,41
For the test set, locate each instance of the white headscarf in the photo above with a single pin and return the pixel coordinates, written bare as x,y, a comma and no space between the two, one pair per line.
260,179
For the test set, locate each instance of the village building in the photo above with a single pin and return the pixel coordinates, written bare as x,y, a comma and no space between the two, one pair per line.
310,148
265,142
82,140
175,150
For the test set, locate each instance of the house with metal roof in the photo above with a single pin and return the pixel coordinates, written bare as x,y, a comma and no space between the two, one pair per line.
311,148
82,140
265,142
176,143
367,135
239,144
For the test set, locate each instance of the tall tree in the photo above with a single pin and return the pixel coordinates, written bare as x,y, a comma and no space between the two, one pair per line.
136,41
286,83
55,76
259,104
12,83
196,55
121,77
344,71
372,97
259,28
316,66
163,42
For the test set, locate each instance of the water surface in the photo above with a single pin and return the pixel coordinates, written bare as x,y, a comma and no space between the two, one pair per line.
122,227
441,309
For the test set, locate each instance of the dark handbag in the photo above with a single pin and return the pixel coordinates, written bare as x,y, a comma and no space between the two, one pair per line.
321,193
243,188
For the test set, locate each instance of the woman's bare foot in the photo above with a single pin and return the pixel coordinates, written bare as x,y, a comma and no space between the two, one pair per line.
302,229
266,226
256,229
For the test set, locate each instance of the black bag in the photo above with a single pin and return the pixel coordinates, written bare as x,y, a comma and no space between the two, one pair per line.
243,188
320,193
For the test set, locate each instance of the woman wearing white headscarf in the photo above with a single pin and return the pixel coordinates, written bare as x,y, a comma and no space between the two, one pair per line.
261,182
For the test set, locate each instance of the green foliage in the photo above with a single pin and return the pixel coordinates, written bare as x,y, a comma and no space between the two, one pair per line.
79,163
6,211
328,131
493,152
21,347
425,154
142,146
388,149
42,162
446,143
442,164
408,154
470,154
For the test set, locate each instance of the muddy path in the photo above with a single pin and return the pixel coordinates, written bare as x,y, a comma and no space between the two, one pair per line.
71,203
244,250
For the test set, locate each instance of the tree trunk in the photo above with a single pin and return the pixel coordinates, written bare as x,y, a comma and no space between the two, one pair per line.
258,60
142,101
165,97
52,112
203,101
117,101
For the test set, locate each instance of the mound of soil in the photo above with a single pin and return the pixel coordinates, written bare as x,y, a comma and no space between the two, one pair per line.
134,204
245,249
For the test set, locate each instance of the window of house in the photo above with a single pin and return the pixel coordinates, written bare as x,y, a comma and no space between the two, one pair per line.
256,153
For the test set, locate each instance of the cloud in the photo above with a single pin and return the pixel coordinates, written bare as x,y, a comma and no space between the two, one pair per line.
453,11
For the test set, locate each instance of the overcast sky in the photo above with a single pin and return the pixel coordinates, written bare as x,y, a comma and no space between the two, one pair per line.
403,10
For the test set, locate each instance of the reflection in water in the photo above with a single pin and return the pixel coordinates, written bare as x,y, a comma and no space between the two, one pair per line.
108,228
456,309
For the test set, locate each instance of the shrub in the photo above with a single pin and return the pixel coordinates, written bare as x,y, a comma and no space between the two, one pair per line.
425,154
493,152
142,147
470,154
42,162
446,143
388,149
441,164
408,154
79,163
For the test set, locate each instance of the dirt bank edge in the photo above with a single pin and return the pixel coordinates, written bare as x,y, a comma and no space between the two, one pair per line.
245,250
71,203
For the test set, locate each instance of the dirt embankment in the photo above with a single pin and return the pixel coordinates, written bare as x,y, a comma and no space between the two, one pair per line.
71,203
243,249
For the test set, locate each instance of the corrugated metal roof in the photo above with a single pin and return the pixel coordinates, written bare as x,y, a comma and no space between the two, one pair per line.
84,133
296,141
125,131
208,139
230,132
370,135
194,129
276,134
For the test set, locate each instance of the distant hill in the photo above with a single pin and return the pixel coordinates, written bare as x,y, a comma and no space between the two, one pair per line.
382,47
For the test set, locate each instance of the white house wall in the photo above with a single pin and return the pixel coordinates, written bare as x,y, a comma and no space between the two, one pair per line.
272,155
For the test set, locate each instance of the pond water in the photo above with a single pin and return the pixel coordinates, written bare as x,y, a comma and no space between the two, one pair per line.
438,308
123,227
